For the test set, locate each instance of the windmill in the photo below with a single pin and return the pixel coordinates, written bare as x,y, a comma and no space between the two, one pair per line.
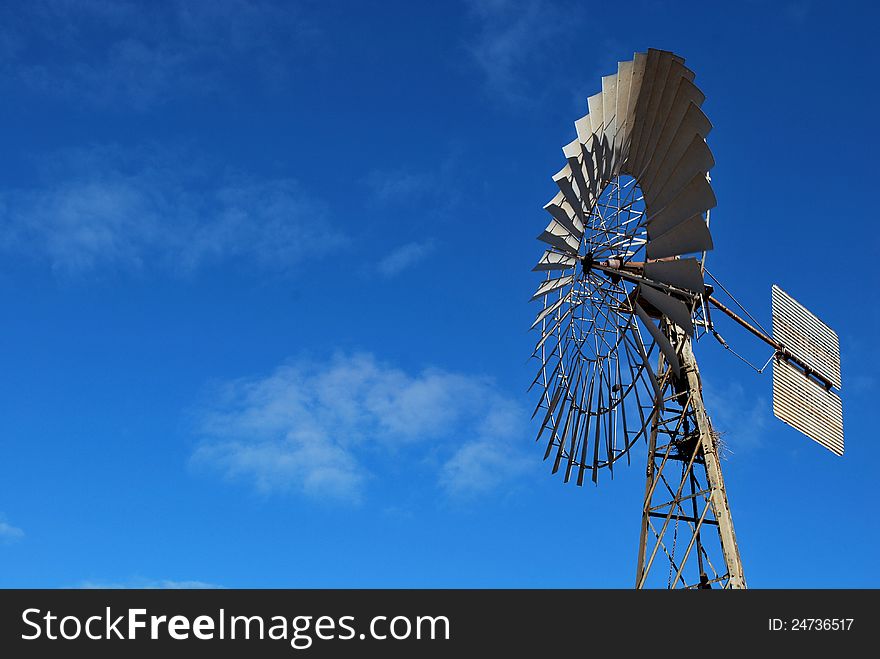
625,298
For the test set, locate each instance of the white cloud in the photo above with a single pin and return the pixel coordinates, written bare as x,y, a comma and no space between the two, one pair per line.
488,461
9,533
105,207
405,256
147,584
315,428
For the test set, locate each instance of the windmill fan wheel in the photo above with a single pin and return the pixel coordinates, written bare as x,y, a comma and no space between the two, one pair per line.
628,232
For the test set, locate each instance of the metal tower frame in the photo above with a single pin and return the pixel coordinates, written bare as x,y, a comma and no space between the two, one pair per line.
681,506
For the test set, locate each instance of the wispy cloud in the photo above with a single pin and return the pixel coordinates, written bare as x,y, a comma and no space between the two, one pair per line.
147,584
488,461
740,417
435,188
427,197
139,54
513,37
402,187
405,256
313,427
105,207
9,533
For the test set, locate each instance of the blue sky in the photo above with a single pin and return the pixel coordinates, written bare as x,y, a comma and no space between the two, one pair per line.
265,271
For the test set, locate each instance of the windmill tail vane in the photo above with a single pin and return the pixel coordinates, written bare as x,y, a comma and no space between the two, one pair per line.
623,302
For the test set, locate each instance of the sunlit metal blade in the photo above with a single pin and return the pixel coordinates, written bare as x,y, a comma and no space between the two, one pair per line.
635,88
562,212
627,111
682,273
600,139
590,166
688,237
639,110
551,285
583,188
563,179
685,94
694,198
609,113
661,341
652,107
559,237
547,311
584,129
694,124
551,260
597,123
674,309
697,159
554,324
621,132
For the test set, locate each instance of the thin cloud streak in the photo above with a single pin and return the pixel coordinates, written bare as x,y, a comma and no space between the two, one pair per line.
404,257
9,533
130,210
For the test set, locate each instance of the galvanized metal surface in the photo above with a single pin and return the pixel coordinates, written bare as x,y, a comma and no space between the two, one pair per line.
647,123
555,261
807,337
807,406
663,343
689,237
673,308
684,273
694,198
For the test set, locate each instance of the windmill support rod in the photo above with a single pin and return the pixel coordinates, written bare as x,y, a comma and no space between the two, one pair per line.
635,278
781,350
773,343
754,330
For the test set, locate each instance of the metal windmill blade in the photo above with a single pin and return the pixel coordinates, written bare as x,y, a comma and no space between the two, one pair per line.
617,208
